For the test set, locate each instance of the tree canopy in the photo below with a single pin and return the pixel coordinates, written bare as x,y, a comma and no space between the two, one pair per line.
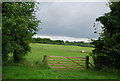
19,24
108,44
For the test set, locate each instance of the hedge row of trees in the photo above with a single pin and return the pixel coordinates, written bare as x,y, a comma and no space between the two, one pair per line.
60,42
81,44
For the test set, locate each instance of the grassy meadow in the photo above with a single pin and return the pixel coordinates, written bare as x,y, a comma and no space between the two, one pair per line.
30,70
39,50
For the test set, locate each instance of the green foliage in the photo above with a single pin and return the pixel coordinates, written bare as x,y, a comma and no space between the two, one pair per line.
81,44
19,25
109,41
47,41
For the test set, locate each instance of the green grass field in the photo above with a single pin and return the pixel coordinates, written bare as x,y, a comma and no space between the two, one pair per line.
39,50
32,71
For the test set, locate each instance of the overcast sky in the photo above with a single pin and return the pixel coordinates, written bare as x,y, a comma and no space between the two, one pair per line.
69,20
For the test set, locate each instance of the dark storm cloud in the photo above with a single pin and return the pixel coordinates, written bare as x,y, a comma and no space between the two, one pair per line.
70,19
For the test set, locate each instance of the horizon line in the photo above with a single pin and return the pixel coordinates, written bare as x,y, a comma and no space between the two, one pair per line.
65,38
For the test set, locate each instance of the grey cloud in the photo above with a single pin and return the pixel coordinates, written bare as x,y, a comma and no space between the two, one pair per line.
70,19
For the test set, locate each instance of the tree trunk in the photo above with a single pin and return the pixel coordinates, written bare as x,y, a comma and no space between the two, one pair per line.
16,57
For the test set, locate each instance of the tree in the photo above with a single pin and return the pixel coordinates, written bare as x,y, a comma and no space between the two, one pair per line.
107,47
18,26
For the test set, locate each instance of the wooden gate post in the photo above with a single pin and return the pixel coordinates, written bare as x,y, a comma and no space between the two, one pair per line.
45,60
87,62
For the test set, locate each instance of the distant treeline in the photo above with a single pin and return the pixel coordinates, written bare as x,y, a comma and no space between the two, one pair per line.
61,42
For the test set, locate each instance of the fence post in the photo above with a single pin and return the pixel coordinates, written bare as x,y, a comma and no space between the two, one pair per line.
87,62
45,60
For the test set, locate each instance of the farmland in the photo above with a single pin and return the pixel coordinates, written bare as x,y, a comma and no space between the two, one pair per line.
30,70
